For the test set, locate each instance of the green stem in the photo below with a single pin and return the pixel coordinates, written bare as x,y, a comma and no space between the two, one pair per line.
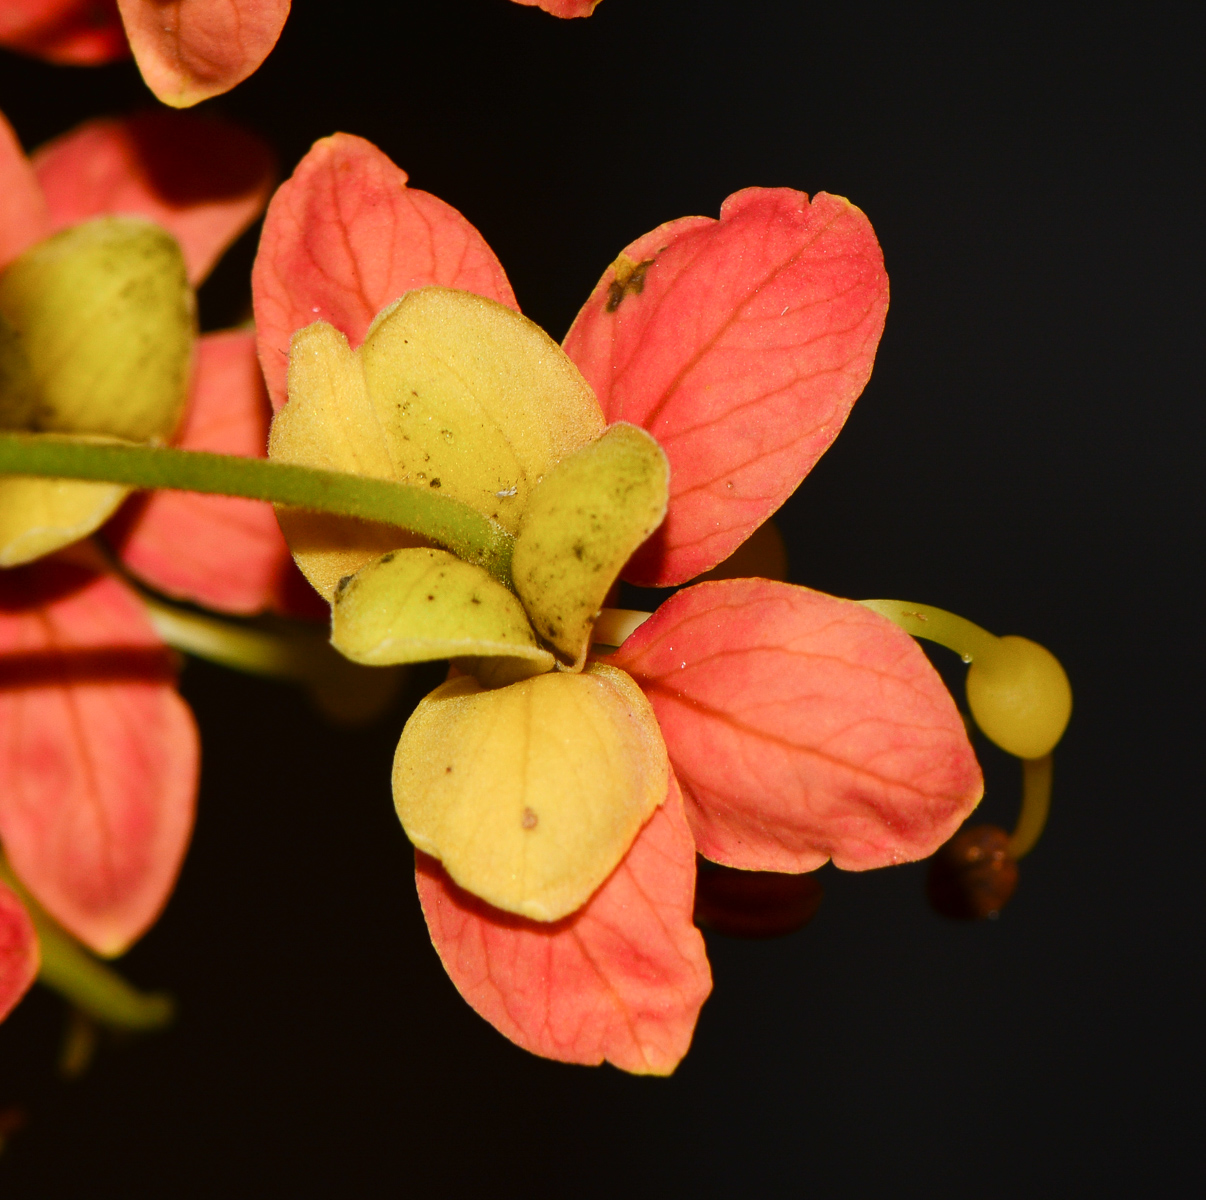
1036,803
92,987
936,625
451,523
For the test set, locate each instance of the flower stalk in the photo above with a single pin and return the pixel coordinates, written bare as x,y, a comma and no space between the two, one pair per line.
448,522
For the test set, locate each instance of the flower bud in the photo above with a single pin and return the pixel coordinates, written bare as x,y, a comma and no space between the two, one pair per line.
1020,696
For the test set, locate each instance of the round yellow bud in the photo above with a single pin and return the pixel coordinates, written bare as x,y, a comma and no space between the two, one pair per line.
1020,696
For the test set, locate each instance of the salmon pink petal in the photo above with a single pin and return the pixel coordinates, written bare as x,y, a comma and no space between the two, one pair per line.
23,216
345,237
18,951
79,33
622,979
203,180
190,50
98,754
219,551
563,8
802,728
740,344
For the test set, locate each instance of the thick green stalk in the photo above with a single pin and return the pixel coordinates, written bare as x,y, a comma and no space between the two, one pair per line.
462,529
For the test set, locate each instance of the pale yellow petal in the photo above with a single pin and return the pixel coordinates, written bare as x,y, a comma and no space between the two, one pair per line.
581,525
530,795
39,516
421,605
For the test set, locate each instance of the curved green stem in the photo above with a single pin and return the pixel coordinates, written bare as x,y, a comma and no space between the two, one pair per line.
1036,803
936,625
451,523
92,987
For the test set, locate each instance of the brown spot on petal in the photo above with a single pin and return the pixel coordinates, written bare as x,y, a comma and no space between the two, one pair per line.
629,280
754,904
530,819
972,876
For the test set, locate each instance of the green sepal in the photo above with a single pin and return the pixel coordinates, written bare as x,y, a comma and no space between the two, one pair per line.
581,525
418,605
107,321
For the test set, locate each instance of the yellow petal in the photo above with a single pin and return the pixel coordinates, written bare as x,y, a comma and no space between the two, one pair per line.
107,322
450,391
530,795
420,605
39,516
581,526
18,392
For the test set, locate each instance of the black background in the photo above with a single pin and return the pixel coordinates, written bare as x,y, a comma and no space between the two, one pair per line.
1025,454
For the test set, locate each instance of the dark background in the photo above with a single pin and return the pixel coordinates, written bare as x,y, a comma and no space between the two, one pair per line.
1026,454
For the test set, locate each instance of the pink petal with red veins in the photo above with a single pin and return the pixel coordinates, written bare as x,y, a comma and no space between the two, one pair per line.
219,551
98,754
741,345
622,979
190,50
77,32
23,216
18,951
345,237
203,180
563,8
802,728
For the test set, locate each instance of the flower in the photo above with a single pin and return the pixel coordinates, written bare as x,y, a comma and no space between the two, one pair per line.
98,753
797,727
187,50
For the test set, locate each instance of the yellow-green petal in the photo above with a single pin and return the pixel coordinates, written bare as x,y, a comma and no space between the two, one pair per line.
18,393
39,516
107,322
449,391
530,795
424,604
581,526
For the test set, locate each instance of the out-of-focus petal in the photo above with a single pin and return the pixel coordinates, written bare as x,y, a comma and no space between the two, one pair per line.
220,551
18,951
23,216
190,50
740,344
802,728
79,33
98,754
621,980
203,180
344,237
564,8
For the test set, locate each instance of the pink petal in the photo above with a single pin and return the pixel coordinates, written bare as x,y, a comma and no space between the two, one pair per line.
77,32
623,979
219,551
203,180
18,951
345,237
190,50
563,8
741,348
802,728
98,754
23,216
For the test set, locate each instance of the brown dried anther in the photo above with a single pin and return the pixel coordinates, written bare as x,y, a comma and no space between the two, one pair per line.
972,876
754,904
